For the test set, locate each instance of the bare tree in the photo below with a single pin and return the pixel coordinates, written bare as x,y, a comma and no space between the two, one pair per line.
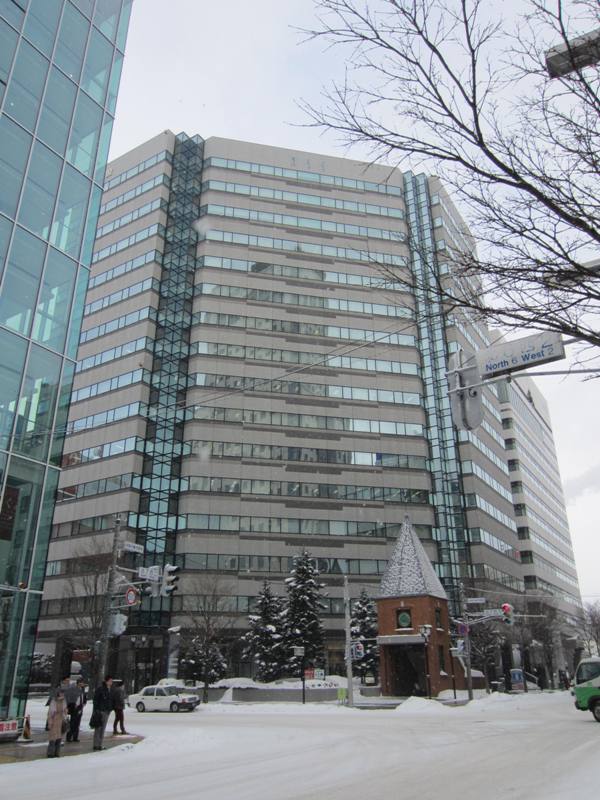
209,632
591,626
460,88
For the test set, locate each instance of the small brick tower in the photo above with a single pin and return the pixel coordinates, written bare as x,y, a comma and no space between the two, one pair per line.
412,610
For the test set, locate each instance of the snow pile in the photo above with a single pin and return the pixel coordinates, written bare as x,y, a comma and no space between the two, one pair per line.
420,705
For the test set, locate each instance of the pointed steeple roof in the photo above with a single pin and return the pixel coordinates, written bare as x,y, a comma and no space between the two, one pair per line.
409,571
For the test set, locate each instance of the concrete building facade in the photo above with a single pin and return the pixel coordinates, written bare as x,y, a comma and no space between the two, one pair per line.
255,378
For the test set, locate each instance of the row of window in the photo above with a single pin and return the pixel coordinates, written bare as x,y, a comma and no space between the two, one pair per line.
302,175
141,188
476,501
107,417
291,525
142,166
302,273
308,300
471,438
291,246
113,484
149,284
154,205
487,572
135,238
303,328
119,322
125,267
279,564
121,350
313,455
330,491
521,510
535,582
300,357
351,393
541,481
268,193
521,488
529,558
526,533
95,453
307,223
111,384
472,468
249,416
481,536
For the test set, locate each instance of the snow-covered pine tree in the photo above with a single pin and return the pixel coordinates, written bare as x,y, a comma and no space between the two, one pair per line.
202,661
363,627
264,641
302,616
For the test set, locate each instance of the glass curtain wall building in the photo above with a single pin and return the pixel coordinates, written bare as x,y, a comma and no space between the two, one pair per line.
60,66
254,380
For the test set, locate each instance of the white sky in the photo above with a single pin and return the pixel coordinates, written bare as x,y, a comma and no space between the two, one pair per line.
236,69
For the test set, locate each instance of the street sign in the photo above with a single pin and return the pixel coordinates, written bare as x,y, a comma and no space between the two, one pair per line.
298,651
320,674
131,595
152,573
309,674
476,600
462,629
132,547
500,359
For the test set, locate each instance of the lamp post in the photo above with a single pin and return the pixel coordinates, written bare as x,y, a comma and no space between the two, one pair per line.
299,652
425,631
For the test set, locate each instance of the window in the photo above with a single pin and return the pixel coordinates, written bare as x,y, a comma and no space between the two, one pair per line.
40,190
403,618
149,692
21,282
26,86
41,24
71,42
83,142
442,658
36,404
438,618
69,218
55,119
13,157
587,672
97,67
13,350
50,323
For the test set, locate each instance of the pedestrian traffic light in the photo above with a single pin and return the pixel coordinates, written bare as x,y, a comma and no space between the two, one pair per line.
169,580
507,611
153,588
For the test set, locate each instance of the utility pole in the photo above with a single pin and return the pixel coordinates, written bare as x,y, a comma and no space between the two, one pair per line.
348,642
107,614
467,639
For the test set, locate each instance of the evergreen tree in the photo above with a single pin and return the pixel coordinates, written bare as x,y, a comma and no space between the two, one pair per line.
202,661
302,616
264,641
363,627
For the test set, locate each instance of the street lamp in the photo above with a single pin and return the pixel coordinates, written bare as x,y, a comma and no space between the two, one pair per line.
425,631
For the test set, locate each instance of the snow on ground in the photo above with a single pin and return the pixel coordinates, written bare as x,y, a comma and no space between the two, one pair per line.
534,747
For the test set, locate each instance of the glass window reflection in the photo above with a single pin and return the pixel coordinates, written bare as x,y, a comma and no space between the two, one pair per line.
97,67
13,349
71,42
50,322
69,218
35,411
13,157
40,190
41,24
55,119
26,85
21,282
85,131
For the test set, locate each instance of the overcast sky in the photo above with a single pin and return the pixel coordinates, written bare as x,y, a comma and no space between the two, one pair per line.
237,69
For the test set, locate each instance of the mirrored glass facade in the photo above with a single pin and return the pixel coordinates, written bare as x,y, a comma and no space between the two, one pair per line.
60,66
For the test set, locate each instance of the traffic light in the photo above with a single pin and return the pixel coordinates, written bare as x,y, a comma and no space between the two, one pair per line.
464,389
169,580
507,611
153,588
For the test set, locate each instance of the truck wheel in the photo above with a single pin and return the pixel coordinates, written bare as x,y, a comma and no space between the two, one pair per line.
596,710
140,707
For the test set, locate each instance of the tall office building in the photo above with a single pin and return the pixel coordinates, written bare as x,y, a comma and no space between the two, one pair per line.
60,65
254,379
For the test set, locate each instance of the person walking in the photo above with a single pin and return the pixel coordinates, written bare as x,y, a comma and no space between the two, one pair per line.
57,723
101,711
118,702
76,699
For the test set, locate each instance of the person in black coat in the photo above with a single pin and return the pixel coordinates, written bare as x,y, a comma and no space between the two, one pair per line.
76,698
102,708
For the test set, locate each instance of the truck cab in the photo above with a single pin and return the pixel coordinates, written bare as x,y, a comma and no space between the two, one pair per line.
586,686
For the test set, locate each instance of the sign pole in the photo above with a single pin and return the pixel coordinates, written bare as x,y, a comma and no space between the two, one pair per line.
348,642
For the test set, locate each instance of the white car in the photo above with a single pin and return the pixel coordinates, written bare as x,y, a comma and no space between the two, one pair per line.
163,698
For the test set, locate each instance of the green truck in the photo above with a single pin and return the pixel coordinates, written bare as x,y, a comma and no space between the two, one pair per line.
586,686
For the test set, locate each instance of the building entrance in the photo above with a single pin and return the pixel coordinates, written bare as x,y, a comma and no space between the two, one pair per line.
408,670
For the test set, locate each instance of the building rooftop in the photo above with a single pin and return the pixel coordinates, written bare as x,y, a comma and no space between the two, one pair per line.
409,571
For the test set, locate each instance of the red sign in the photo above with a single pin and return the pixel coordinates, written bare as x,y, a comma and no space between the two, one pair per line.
131,595
9,726
309,674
